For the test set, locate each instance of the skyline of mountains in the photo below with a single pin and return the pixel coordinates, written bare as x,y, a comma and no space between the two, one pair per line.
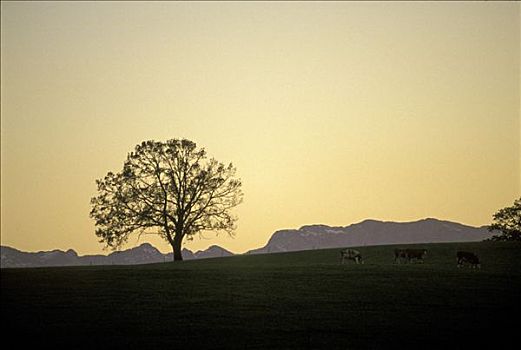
372,232
365,233
143,254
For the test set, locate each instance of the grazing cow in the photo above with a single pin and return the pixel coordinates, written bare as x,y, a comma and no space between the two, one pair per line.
407,255
351,254
399,255
468,257
417,254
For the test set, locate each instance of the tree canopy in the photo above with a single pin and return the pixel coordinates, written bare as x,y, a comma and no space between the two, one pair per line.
508,222
167,188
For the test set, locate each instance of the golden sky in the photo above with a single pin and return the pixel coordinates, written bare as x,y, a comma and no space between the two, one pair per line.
332,112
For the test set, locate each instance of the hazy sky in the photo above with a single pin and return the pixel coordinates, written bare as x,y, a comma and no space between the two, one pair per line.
331,112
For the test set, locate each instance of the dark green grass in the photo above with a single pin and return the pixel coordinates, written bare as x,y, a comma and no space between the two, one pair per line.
291,300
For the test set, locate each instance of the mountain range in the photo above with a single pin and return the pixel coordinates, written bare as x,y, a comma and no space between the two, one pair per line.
368,232
372,232
143,254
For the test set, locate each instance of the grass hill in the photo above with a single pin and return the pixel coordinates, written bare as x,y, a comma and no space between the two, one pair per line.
286,300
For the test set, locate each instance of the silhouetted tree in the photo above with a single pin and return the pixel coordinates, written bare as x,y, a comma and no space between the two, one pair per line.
167,188
508,221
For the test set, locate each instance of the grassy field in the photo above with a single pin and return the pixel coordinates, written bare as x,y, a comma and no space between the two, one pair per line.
290,300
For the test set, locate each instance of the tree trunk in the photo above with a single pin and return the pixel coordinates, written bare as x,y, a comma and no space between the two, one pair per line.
176,247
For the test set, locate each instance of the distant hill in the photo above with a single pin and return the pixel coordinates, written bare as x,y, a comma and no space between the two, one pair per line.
212,252
365,233
371,232
144,254
11,257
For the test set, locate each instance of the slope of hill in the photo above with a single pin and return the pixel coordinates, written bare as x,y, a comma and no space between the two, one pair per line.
371,232
297,300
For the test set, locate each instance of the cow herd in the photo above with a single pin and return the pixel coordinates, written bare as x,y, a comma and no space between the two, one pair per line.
411,255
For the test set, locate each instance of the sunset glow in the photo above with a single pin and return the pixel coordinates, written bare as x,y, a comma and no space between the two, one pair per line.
331,112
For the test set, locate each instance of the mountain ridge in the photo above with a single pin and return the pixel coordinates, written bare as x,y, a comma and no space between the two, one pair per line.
371,232
142,254
307,237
